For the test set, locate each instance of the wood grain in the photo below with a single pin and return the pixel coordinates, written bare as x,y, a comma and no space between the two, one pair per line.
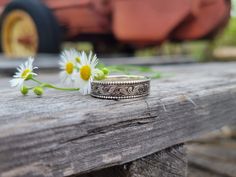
63,134
170,162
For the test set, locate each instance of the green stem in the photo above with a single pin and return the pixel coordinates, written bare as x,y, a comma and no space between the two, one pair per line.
35,80
47,85
58,88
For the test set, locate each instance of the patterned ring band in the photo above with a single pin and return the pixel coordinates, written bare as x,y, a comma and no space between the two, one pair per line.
121,87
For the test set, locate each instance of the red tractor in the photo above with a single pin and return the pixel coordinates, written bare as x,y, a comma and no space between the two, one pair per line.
32,26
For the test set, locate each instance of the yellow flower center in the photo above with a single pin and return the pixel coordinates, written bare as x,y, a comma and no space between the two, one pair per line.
25,73
85,72
69,67
77,59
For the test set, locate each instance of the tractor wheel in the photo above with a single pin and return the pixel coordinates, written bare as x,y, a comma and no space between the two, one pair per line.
28,27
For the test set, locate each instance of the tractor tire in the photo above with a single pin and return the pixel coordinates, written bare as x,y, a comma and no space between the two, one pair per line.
29,27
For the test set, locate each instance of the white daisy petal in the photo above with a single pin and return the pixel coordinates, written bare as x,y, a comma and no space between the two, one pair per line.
68,65
87,72
14,82
23,71
90,57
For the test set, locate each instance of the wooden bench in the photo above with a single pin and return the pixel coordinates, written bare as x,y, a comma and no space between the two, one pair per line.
65,134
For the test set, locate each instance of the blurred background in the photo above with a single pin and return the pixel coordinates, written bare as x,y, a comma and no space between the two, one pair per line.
201,29
158,30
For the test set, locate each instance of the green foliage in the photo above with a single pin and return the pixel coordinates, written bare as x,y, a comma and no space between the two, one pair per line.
228,36
131,69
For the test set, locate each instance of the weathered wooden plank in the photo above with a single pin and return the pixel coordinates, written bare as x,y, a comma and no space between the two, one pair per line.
50,62
170,162
215,151
214,155
216,158
194,171
150,61
221,141
64,134
219,167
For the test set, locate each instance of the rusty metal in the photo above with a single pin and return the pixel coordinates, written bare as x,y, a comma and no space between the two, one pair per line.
138,21
209,16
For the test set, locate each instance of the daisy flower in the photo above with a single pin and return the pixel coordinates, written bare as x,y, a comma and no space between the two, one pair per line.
24,71
68,63
87,72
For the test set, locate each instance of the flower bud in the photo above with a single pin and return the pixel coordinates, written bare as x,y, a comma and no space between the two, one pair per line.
99,75
38,91
77,59
105,71
24,90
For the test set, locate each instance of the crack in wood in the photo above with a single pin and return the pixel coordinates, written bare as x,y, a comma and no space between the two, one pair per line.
114,127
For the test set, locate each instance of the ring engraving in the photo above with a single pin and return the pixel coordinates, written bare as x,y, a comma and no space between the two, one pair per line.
121,87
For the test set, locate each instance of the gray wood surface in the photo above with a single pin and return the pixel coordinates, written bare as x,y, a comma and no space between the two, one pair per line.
170,162
196,172
50,62
63,134
216,158
214,155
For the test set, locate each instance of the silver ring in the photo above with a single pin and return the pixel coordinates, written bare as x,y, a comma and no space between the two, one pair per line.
121,87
